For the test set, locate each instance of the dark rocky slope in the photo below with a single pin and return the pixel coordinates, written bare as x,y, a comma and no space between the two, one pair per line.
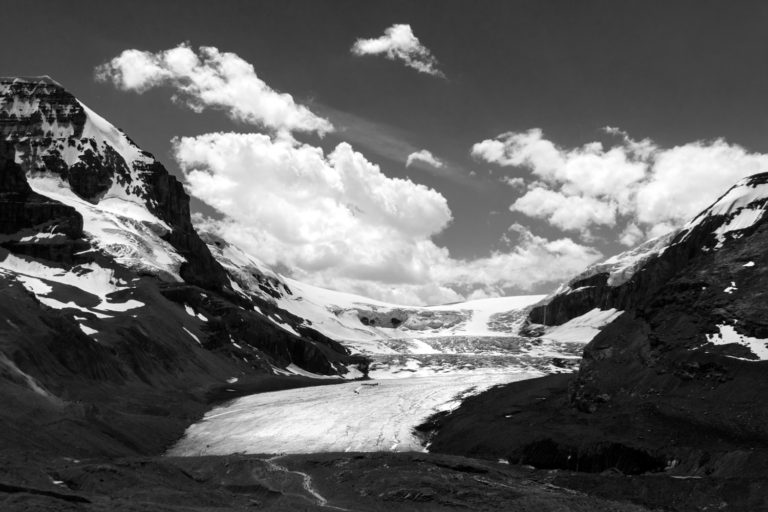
675,385
98,356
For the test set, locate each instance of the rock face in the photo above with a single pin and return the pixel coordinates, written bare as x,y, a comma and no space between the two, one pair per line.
57,136
676,384
703,320
116,321
21,208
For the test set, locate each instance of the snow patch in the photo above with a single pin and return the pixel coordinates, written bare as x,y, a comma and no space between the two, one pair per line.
194,337
87,330
119,226
727,335
90,278
582,328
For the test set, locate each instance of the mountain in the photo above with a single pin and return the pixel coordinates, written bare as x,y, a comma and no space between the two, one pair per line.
675,384
115,313
112,299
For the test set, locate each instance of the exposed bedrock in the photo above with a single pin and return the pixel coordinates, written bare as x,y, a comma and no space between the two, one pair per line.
35,225
411,319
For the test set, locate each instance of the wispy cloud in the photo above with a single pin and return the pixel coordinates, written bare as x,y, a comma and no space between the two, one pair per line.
399,43
389,142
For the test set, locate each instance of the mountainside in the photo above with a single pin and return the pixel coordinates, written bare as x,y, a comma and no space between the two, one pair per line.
115,313
675,383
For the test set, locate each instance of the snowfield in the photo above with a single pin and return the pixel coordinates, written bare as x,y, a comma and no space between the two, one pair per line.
357,416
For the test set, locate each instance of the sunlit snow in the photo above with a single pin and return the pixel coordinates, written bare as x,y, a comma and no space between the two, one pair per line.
583,328
727,335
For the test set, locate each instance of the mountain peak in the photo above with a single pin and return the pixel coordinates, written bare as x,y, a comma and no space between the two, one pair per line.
133,209
42,79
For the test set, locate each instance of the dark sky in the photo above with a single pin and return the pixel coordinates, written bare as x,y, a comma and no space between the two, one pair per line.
674,71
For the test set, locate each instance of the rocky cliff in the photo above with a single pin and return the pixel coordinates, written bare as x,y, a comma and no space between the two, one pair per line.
675,385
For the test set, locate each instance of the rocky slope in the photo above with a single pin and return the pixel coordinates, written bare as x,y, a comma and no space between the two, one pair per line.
117,323
674,384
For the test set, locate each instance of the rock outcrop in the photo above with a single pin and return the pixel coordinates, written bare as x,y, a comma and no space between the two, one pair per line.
676,384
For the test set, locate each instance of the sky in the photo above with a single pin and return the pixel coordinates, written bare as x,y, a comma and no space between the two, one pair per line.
426,151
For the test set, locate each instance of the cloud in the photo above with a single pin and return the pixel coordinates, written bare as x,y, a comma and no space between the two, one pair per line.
337,213
425,157
210,78
530,260
567,212
338,221
332,218
636,186
399,43
516,183
390,142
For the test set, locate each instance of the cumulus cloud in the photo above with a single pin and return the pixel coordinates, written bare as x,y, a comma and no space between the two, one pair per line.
425,157
338,221
210,78
530,259
399,43
636,186
332,218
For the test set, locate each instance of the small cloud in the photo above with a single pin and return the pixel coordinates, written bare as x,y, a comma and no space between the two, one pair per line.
426,157
516,183
399,43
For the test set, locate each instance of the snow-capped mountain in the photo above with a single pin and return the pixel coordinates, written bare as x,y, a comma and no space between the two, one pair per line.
112,239
628,279
675,382
99,233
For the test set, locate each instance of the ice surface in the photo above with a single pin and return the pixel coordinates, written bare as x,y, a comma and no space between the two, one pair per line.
358,416
337,315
